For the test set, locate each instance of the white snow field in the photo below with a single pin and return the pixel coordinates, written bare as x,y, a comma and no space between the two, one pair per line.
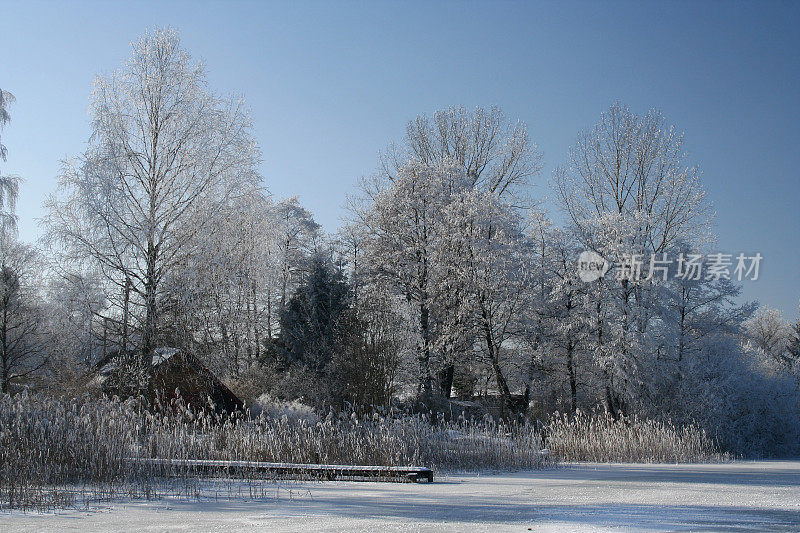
744,496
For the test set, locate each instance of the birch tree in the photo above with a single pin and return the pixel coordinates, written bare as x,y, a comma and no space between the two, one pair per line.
9,185
162,145
21,352
6,98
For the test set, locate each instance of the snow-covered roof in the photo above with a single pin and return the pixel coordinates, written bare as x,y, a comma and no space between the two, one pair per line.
162,354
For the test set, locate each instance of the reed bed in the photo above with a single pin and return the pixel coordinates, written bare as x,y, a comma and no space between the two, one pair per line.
59,453
600,438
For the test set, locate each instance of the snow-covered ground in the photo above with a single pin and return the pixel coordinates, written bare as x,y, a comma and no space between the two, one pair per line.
762,496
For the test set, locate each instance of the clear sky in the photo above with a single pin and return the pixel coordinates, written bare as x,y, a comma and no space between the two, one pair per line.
330,84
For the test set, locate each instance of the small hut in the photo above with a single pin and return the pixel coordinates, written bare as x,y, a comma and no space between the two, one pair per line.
175,373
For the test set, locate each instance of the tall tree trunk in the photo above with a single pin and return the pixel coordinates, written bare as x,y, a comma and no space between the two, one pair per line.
502,384
269,312
573,384
150,322
446,380
256,328
609,396
126,298
494,355
682,333
6,385
424,354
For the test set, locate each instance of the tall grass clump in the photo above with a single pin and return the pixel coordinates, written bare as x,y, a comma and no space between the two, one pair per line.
600,438
377,440
58,452
49,448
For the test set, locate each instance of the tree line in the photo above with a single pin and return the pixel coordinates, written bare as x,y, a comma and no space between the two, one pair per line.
448,280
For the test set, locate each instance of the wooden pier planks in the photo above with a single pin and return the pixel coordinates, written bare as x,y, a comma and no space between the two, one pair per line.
290,470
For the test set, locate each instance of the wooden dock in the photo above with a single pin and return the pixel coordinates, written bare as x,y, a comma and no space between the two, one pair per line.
252,469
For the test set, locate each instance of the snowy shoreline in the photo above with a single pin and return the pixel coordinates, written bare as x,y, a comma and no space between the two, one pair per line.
762,495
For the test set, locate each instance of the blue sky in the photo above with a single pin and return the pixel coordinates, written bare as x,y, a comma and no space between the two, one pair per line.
330,84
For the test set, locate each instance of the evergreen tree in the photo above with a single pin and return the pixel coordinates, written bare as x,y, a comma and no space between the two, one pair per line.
309,321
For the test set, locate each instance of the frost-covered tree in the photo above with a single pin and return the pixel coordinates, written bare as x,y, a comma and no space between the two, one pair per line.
348,247
78,332
371,360
21,315
164,152
371,352
487,252
402,214
564,313
404,227
497,156
629,192
21,352
635,167
769,332
216,303
738,397
697,308
297,237
793,347
9,185
6,98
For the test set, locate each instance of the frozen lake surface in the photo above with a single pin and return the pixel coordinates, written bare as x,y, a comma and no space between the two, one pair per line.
762,496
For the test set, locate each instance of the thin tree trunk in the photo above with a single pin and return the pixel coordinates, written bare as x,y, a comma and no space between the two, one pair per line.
126,296
573,385
425,350
269,312
149,332
502,384
256,328
4,347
